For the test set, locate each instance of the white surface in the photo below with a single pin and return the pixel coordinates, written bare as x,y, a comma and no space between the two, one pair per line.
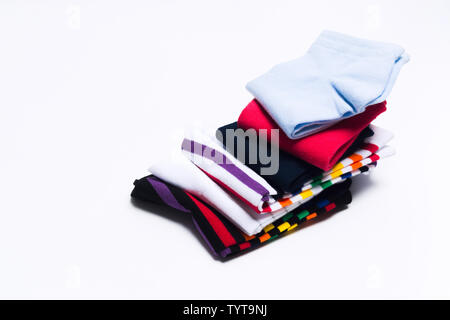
91,93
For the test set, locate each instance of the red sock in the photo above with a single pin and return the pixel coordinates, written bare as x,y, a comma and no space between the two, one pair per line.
322,149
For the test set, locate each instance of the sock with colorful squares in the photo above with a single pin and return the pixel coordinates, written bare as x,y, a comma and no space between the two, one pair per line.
222,237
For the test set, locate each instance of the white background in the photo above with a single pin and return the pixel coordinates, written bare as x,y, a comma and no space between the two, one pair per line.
93,92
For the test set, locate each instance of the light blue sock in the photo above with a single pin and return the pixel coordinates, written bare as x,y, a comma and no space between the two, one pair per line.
337,78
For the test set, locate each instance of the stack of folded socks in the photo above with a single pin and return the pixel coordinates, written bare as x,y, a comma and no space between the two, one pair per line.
292,153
